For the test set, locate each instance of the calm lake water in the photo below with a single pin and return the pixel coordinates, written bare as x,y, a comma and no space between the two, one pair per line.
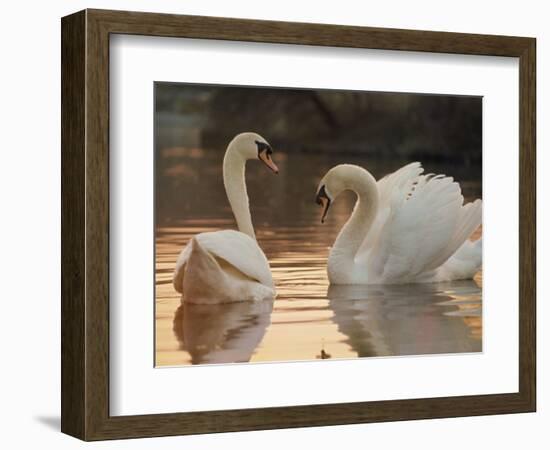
309,319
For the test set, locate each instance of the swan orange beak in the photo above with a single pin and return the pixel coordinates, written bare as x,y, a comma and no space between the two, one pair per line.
266,159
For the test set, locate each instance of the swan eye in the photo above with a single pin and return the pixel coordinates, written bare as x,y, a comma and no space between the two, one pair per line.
263,147
264,155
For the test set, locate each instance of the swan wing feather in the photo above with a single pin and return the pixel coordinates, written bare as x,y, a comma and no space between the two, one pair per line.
235,248
469,219
399,182
421,229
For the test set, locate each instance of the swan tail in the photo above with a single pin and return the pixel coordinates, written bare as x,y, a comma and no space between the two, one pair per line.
195,266
468,222
465,263
470,251
179,271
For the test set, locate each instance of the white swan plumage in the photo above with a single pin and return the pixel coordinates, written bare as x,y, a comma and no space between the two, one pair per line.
406,228
229,266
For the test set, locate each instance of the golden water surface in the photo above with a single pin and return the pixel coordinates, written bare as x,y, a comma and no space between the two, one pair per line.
308,320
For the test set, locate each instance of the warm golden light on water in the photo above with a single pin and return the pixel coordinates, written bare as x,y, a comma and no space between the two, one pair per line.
309,317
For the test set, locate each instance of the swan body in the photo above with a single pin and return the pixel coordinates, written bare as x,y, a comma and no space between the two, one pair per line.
405,228
229,266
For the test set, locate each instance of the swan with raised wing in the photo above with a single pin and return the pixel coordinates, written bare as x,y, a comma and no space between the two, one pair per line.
406,228
229,266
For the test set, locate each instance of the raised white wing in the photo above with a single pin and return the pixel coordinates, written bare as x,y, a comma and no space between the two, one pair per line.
390,188
235,248
424,223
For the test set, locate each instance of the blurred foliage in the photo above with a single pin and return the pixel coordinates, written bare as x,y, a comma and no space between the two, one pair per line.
311,131
382,125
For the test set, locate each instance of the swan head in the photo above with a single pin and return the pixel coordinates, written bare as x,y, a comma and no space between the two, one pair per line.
338,179
253,146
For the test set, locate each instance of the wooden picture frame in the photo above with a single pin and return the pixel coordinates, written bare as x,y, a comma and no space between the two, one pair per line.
85,224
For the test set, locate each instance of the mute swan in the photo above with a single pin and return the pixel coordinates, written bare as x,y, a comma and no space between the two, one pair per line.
405,228
229,266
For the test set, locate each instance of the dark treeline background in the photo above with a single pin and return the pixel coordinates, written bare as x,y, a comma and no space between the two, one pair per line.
310,131
382,125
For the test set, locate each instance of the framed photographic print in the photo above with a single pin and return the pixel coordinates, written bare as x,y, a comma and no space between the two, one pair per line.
270,224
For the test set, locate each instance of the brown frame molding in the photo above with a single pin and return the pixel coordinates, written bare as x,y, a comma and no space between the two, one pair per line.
85,224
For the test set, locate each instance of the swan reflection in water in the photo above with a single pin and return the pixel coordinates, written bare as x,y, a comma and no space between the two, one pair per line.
381,320
221,333
411,319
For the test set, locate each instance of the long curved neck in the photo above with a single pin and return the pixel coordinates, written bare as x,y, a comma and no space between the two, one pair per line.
353,233
235,188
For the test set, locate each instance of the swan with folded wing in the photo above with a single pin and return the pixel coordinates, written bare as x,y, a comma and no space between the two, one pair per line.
229,266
